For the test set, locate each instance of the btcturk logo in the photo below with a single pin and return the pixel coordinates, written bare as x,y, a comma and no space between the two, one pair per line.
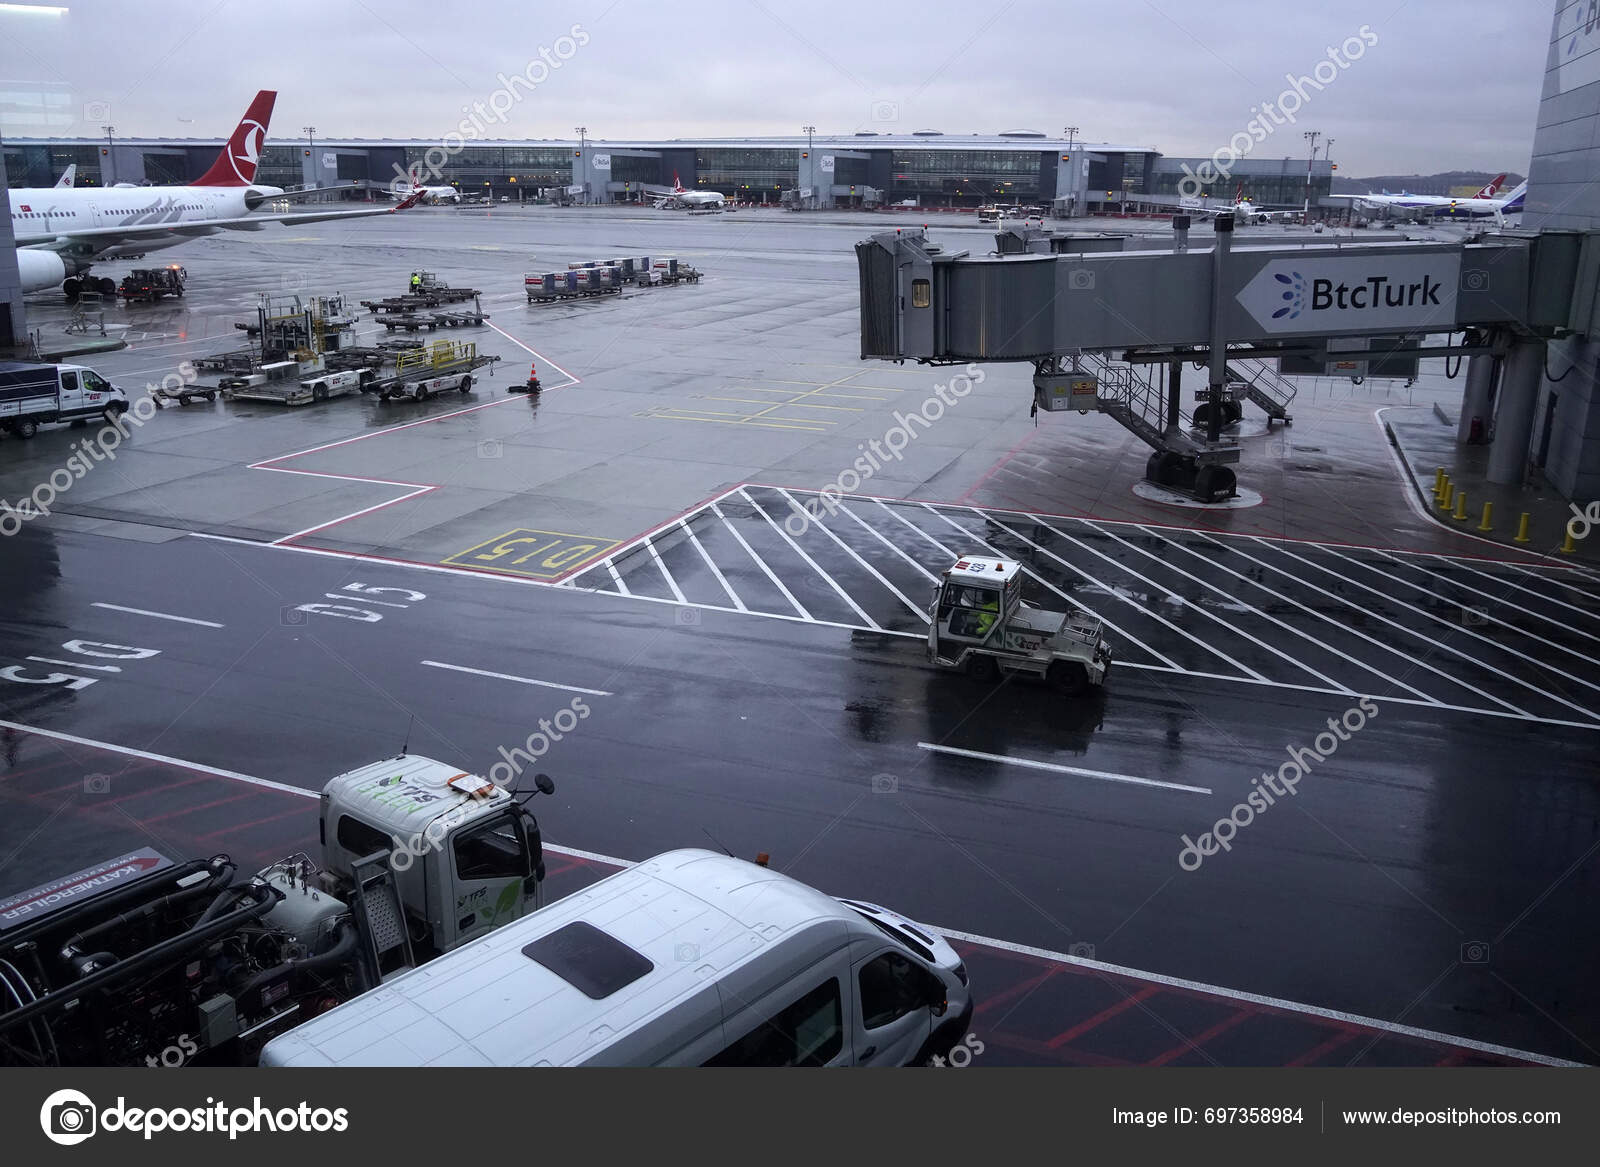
1295,295
251,151
1372,292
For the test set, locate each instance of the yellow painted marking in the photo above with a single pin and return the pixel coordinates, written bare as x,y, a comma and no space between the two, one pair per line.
797,404
775,424
540,554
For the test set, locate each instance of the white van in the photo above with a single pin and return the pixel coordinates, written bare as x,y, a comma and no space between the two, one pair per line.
688,959
33,394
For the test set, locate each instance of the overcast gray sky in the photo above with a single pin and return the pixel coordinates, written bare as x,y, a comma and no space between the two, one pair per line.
1445,86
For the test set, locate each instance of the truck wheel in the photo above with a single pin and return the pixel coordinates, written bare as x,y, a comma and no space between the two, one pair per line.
71,287
106,287
423,393
25,428
115,410
983,669
319,393
466,384
1068,676
211,397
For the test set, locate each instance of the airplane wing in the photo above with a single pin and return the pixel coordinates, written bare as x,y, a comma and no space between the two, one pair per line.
107,236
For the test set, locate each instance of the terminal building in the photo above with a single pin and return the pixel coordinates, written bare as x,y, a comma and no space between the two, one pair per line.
925,168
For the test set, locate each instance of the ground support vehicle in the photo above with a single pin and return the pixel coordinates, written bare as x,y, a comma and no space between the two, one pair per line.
979,623
125,960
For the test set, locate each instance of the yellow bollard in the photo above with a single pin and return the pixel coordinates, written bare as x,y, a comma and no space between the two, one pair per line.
1569,544
1438,481
1461,506
1522,530
1444,485
1488,517
1449,496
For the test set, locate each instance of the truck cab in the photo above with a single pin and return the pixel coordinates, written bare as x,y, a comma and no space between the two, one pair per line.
979,623
466,855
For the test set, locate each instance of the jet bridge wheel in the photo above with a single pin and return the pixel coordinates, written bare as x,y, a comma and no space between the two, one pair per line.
1232,412
1215,483
1163,467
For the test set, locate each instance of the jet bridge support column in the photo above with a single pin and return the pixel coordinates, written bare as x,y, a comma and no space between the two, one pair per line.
1477,400
1174,396
1513,423
1219,342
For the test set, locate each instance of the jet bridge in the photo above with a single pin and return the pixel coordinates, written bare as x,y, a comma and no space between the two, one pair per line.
1111,332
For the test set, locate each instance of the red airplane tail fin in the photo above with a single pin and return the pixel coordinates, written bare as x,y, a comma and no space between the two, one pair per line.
1489,191
677,183
409,201
236,165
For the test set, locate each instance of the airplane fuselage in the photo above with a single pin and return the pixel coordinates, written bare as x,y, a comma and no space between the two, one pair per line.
60,211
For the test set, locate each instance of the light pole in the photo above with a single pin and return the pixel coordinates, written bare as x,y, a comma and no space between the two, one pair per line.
811,165
1310,136
583,163
311,138
1073,170
110,166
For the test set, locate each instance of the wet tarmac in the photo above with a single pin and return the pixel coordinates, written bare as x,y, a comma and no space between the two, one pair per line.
623,540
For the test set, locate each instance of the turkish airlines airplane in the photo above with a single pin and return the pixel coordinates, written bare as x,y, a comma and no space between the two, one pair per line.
62,231
689,198
67,176
1482,203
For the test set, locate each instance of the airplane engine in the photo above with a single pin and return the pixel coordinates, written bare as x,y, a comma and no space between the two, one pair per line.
40,269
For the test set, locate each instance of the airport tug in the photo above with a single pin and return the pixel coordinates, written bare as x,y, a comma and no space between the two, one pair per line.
979,623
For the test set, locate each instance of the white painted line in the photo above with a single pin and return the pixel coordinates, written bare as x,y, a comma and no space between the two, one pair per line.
798,550
433,664
1586,613
159,615
665,574
1550,577
1036,577
1390,1027
1414,661
1249,673
622,588
874,572
1254,611
1319,615
1103,775
145,755
1454,628
898,550
1486,615
762,564
715,570
353,514
951,933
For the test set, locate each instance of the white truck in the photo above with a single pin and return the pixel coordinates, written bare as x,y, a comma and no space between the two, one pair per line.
979,623
33,394
117,962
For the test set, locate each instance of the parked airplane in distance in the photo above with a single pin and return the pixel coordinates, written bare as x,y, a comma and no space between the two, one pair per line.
678,197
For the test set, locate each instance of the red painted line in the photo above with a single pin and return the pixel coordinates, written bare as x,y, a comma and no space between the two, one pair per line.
1102,1017
1238,1017
1020,989
1009,454
1311,1056
1066,1056
271,818
173,814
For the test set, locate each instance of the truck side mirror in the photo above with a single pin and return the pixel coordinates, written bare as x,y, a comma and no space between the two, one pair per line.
544,783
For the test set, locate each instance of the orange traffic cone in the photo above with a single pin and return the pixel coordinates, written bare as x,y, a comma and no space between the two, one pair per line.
533,377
